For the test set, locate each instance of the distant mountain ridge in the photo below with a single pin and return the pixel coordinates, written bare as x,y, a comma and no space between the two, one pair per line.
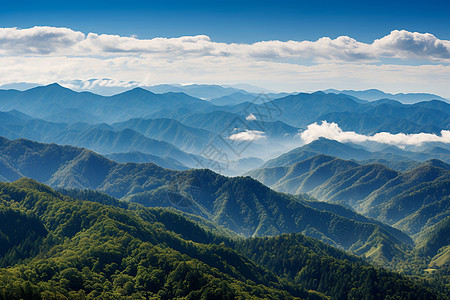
391,156
47,101
374,94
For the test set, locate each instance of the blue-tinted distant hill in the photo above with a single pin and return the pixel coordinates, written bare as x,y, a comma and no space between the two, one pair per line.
190,139
101,138
201,91
374,94
351,114
238,98
391,155
139,157
59,104
20,86
53,101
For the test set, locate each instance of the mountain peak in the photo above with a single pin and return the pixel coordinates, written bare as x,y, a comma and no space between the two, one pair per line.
50,87
137,91
55,86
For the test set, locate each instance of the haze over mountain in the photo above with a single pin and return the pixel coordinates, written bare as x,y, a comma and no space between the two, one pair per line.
410,200
196,126
195,150
390,155
386,204
374,94
240,204
46,102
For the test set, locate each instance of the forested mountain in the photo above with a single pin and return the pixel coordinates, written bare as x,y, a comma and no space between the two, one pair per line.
391,156
189,139
412,200
104,138
79,248
240,204
158,137
192,233
157,124
139,157
363,117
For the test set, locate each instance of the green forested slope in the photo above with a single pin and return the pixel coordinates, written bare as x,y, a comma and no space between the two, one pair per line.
412,200
93,250
240,204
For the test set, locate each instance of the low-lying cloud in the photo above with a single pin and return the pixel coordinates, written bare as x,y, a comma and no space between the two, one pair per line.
250,117
247,135
46,40
332,131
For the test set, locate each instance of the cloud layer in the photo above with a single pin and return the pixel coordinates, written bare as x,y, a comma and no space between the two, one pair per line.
247,135
48,54
332,131
51,40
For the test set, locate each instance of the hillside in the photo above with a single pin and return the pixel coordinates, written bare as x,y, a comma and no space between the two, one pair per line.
240,204
412,200
391,156
98,250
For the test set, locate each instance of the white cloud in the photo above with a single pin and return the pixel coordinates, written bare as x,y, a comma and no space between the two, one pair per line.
49,54
92,84
250,117
48,40
332,131
269,74
404,44
247,135
37,40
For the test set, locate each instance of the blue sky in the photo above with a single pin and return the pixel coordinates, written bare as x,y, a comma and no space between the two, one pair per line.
235,21
395,46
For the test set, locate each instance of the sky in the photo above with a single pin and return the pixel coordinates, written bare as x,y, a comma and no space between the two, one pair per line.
395,46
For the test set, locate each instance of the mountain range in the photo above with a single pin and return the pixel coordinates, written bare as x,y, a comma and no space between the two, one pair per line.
95,246
130,198
411,200
240,204
374,94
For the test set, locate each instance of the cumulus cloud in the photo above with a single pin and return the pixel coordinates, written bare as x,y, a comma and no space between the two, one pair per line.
48,54
332,131
38,40
405,44
247,135
47,40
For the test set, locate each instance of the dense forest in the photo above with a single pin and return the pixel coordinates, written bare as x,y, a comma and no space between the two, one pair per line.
240,204
81,245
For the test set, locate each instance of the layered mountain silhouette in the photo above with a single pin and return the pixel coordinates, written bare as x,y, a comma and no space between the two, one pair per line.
139,210
412,200
52,102
374,94
142,252
240,204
